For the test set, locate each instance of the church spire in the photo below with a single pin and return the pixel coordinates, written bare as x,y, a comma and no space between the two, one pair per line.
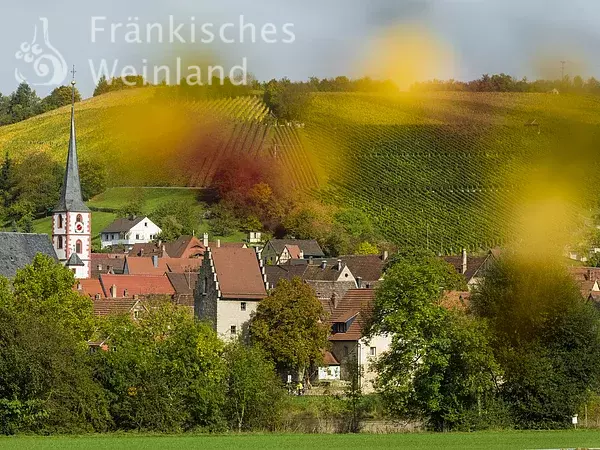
70,195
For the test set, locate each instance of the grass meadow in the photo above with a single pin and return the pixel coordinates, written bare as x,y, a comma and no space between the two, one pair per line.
450,441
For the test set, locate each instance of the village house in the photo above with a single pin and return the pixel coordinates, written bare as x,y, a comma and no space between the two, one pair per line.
348,343
183,247
231,283
280,251
473,268
132,307
129,231
107,263
18,250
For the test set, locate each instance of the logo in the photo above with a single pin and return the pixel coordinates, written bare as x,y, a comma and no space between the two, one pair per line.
46,66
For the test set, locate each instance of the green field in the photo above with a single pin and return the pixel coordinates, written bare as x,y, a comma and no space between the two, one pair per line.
488,441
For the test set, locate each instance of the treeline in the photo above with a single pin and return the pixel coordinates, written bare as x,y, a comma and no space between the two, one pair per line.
25,103
506,83
30,187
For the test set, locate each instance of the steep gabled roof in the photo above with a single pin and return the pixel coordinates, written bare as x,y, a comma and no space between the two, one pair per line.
352,310
74,261
474,264
90,287
18,250
309,247
238,273
183,283
122,225
178,248
70,194
367,267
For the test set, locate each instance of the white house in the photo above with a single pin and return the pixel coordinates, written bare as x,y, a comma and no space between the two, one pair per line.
129,231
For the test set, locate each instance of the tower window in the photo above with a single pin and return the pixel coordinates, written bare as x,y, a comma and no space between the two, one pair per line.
59,242
78,246
79,218
60,221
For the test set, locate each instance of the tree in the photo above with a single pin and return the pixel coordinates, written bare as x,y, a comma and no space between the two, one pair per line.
287,100
61,96
164,372
366,248
44,288
46,383
290,324
254,393
546,339
439,366
6,180
175,219
24,103
103,87
94,178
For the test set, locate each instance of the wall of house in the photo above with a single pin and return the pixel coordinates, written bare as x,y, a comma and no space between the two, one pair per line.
142,233
229,313
347,351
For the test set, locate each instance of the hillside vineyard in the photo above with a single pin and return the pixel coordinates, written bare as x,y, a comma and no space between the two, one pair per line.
442,170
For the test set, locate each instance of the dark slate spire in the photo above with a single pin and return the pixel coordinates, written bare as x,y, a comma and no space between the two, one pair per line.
70,194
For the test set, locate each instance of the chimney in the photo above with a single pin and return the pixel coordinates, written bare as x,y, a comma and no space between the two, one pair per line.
113,291
324,264
205,240
159,243
301,254
359,282
141,252
164,250
385,255
125,293
334,300
79,287
155,260
218,243
464,261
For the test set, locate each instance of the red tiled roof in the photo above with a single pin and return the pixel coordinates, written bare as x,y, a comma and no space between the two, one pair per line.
183,283
329,359
352,308
184,247
184,265
90,287
137,284
144,265
294,251
238,273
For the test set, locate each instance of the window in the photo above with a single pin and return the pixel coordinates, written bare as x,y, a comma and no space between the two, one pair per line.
233,329
145,224
136,315
373,351
79,218
204,285
59,242
78,246
137,236
60,221
243,306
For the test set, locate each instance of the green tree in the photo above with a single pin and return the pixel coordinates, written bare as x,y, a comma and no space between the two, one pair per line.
103,87
176,218
6,180
366,248
546,339
164,372
94,178
254,392
290,324
24,103
287,100
46,383
61,96
439,367
44,288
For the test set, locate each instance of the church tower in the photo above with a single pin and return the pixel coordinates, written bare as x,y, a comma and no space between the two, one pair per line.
72,219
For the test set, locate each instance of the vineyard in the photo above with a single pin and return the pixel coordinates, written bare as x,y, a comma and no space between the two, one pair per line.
443,170
451,171
148,139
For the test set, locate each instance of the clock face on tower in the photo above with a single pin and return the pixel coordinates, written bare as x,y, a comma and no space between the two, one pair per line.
79,227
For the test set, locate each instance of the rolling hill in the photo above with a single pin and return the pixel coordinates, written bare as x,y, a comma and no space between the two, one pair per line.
447,170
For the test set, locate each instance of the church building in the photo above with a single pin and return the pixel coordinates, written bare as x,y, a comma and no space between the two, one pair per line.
72,219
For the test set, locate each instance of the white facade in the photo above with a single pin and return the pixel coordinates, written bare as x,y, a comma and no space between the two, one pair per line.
232,315
142,233
72,233
368,352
